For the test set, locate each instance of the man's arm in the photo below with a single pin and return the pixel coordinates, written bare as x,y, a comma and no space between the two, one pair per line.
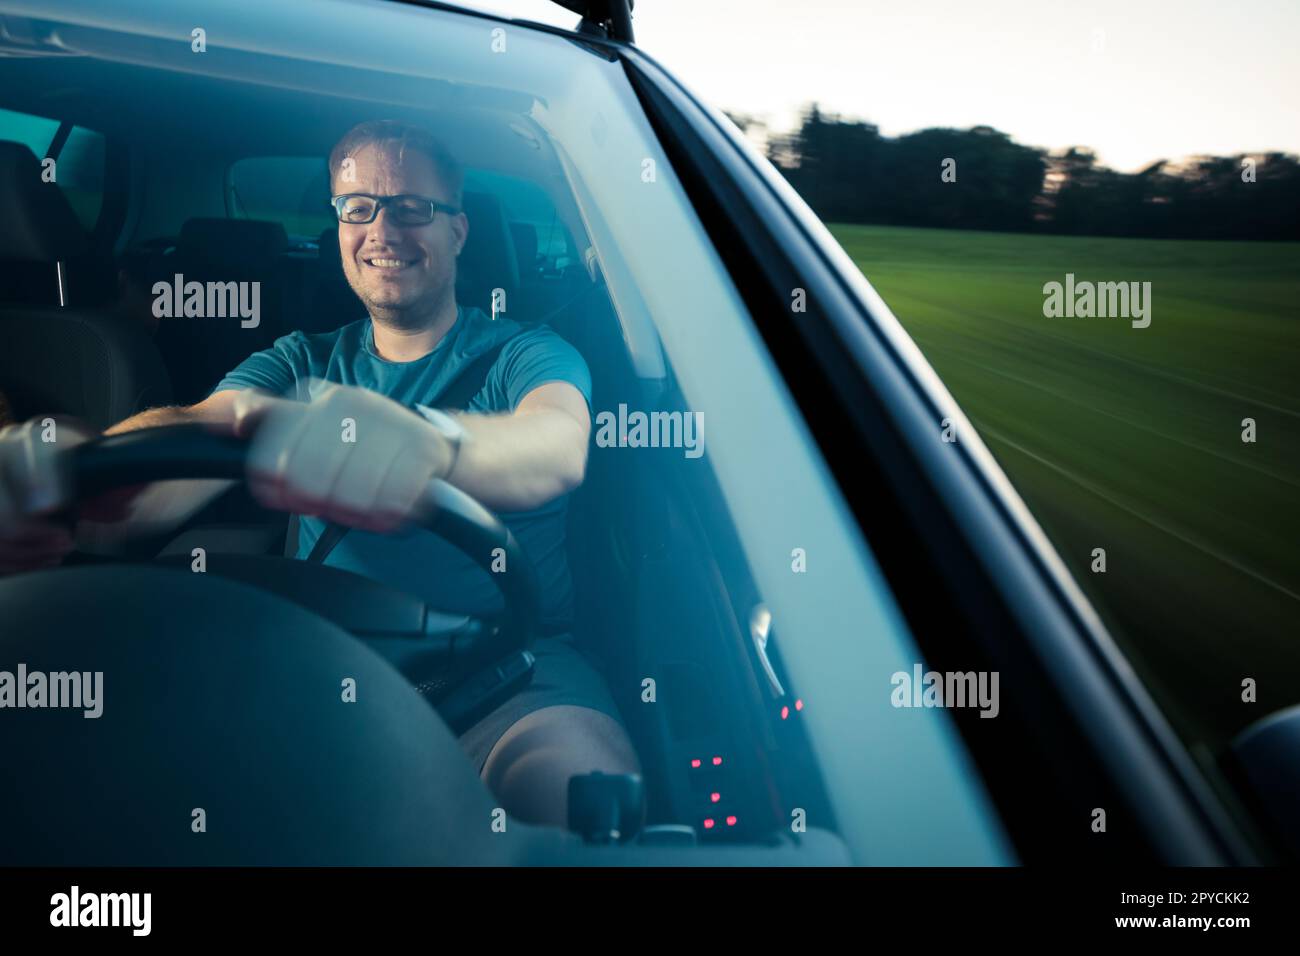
164,504
216,409
522,459
300,462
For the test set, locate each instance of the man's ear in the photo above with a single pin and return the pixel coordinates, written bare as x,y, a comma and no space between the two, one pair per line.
460,229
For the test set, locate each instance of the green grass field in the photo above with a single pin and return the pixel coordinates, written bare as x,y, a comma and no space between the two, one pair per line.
1131,439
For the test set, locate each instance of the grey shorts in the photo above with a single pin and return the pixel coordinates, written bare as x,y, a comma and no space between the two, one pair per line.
560,676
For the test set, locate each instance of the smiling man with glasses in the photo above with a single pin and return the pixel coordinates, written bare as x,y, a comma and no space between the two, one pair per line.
397,197
517,442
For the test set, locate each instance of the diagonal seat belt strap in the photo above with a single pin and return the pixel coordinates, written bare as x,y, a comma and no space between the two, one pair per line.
467,383
326,542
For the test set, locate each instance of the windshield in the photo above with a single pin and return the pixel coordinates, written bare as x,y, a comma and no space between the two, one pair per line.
712,567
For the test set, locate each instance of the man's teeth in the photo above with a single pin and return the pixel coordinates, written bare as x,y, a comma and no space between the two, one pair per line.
388,263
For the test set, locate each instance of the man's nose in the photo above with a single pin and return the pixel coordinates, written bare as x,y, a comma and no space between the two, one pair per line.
383,229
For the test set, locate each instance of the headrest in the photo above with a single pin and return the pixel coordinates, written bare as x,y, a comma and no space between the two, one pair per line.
488,260
524,235
231,242
99,366
39,224
331,262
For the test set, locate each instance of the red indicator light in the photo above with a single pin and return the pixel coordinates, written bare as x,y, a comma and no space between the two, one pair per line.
798,704
695,763
717,761
731,821
708,824
715,797
785,712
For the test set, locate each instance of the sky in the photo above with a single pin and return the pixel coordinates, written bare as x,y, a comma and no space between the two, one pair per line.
1135,80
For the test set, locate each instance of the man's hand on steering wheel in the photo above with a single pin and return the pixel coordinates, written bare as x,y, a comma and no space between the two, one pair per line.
351,455
34,488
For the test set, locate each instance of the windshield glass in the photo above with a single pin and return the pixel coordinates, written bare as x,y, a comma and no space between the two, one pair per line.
718,563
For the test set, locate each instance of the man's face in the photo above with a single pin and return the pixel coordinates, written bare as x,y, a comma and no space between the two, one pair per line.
403,274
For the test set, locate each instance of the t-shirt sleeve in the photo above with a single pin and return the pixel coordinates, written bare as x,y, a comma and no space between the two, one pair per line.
536,357
276,369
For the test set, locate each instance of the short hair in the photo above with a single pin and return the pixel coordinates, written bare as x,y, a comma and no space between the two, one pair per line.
401,136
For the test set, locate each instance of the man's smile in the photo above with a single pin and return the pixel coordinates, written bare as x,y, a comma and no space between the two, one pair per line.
388,263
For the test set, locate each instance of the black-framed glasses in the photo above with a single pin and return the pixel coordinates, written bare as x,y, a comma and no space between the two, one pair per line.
407,210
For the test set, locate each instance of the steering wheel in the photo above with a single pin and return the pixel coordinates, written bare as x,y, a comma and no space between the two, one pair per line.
462,664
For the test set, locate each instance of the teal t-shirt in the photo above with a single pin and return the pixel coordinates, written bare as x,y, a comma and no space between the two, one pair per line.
417,561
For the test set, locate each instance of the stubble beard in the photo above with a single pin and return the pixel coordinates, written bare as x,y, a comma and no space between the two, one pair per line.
421,313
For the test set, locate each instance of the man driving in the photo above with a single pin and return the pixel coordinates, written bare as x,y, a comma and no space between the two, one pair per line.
519,446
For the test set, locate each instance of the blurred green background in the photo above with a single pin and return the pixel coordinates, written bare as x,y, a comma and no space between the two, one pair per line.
1131,439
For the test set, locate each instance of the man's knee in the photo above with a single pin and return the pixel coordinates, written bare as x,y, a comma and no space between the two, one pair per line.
530,766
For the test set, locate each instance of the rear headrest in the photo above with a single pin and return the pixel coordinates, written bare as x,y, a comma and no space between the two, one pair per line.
39,224
231,242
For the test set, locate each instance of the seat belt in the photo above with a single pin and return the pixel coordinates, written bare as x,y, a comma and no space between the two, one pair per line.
456,396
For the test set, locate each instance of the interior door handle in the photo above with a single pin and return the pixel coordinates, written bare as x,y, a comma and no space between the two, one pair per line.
760,629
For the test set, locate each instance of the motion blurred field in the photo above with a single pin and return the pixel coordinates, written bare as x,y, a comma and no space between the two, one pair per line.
1131,439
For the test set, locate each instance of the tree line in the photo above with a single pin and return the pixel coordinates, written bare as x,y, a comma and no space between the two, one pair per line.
979,178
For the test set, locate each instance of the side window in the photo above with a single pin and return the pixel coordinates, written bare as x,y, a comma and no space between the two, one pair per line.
81,174
34,132
292,190
79,169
